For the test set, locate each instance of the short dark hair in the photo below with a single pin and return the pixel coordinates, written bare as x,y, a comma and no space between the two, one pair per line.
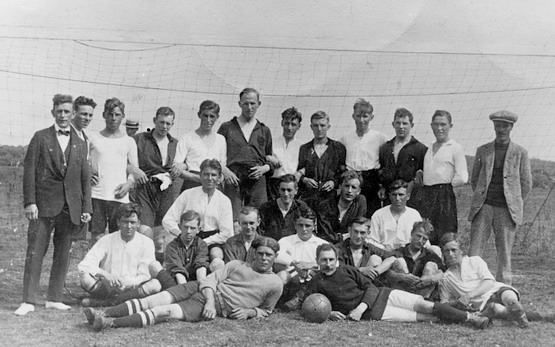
59,99
112,103
127,210
307,213
402,113
190,215
442,113
397,184
83,101
360,220
325,247
249,91
425,225
288,178
248,210
448,237
165,111
209,105
361,103
320,115
264,241
291,114
211,163
351,175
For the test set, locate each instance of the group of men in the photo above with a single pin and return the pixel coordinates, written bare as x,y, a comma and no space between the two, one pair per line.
243,189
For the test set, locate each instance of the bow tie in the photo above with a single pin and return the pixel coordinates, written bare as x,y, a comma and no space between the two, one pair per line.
63,132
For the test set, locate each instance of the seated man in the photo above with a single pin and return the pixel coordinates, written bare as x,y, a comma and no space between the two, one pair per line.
212,205
417,270
239,247
469,283
277,217
356,252
238,290
186,257
116,267
336,213
391,226
354,297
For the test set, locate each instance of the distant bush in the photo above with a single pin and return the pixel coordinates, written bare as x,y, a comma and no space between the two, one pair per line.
12,155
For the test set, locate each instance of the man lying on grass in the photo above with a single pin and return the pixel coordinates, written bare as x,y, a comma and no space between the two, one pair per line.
469,283
354,297
239,291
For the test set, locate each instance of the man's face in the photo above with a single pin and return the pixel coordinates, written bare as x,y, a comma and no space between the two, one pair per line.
249,224
418,239
128,226
362,117
399,198
304,228
452,253
131,131
287,191
113,118
350,190
358,233
319,128
249,105
83,116
441,127
264,258
189,230
162,125
210,178
290,128
62,114
402,126
502,131
207,119
327,261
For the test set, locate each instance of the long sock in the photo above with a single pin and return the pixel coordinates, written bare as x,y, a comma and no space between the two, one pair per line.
137,320
129,294
165,279
125,309
449,313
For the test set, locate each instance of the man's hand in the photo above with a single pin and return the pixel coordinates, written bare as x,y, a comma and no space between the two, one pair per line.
241,313
230,178
122,190
369,272
336,315
273,160
381,194
85,217
209,311
94,179
111,279
258,171
309,182
236,228
31,212
328,186
180,278
177,170
419,178
356,314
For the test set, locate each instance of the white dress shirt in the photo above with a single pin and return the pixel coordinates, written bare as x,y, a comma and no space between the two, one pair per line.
363,152
292,248
193,151
447,165
388,233
287,154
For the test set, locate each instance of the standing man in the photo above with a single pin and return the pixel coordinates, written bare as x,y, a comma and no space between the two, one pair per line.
56,196
111,151
286,150
249,142
321,163
401,157
363,151
156,150
444,168
501,180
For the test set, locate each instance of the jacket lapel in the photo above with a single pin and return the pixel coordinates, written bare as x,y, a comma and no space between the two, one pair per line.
54,149
489,160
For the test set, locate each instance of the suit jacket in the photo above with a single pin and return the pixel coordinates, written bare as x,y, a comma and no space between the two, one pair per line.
46,185
517,179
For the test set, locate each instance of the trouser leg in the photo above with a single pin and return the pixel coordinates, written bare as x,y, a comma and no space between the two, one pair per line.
60,262
504,230
38,238
480,230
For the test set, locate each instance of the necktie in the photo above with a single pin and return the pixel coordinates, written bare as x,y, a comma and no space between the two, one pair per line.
63,132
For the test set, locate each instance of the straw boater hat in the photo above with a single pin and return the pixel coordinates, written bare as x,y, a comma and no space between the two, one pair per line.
132,124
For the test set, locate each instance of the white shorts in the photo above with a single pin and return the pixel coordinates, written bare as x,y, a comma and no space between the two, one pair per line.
400,307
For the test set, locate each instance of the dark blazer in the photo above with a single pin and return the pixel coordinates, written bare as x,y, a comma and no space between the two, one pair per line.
44,182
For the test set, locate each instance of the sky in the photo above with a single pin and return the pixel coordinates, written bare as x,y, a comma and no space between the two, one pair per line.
509,41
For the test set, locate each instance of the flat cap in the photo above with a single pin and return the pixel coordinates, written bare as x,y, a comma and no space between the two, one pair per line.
133,124
504,116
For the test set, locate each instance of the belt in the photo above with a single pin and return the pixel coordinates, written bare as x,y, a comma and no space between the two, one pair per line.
220,304
205,234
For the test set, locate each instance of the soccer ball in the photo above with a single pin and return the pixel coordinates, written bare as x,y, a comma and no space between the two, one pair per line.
316,308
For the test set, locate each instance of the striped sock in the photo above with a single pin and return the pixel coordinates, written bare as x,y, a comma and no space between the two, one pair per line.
147,318
125,309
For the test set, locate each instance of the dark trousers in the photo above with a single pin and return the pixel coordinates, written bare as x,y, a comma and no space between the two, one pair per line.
38,239
439,205
273,188
370,188
104,213
154,202
249,192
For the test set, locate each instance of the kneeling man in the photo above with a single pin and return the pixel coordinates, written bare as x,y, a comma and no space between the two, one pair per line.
238,290
116,267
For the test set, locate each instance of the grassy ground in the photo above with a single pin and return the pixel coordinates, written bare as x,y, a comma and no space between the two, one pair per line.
533,263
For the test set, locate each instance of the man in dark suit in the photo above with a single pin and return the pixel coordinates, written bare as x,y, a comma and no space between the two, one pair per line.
57,196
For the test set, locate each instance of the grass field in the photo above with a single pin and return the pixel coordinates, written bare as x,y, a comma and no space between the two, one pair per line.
533,263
